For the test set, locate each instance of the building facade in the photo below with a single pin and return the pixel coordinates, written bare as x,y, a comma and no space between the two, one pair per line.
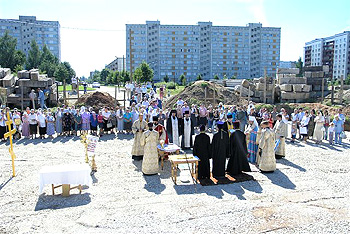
173,50
333,51
288,64
117,64
27,28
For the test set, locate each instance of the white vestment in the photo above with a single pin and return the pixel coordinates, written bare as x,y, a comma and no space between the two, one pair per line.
187,133
175,132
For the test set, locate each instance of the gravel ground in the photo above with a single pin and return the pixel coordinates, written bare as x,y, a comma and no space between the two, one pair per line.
309,193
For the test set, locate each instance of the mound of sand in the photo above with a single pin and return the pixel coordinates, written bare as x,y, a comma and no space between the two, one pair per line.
96,100
195,94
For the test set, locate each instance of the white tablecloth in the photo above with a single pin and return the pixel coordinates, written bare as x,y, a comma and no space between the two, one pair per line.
65,174
171,148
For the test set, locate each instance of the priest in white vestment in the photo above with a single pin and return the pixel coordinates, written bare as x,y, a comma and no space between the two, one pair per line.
138,127
266,160
149,140
281,134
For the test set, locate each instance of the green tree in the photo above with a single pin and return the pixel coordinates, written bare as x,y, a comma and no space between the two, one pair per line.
166,79
216,77
233,77
34,56
48,62
9,56
143,73
61,73
347,80
18,67
183,79
300,65
70,70
199,77
104,74
225,77
124,76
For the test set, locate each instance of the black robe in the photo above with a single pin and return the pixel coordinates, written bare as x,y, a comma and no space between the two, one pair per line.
220,151
182,132
202,149
169,128
238,161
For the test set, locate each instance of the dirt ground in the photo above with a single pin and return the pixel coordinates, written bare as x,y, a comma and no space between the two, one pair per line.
308,193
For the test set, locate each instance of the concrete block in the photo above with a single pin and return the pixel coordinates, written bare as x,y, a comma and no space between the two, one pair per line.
294,95
296,80
308,74
245,83
297,87
261,87
24,74
288,71
8,81
317,74
286,87
245,91
34,83
307,88
34,76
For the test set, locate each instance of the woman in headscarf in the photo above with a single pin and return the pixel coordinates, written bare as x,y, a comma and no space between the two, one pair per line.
50,119
85,119
252,131
33,124
25,125
319,128
59,121
42,124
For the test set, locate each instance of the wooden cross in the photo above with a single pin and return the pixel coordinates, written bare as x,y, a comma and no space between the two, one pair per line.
10,135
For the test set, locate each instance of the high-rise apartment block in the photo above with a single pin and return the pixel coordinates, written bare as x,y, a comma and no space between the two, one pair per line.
333,51
172,50
27,28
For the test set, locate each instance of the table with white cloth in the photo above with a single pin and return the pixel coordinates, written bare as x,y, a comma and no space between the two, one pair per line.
64,176
166,150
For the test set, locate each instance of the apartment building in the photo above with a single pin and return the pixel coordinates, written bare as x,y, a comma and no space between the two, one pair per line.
27,28
172,50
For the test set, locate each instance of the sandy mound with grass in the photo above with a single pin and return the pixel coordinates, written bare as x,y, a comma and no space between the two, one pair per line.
195,94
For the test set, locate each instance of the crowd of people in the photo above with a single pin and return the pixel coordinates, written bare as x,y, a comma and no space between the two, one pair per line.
240,133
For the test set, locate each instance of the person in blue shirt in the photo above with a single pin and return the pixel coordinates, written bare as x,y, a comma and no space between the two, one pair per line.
41,98
338,128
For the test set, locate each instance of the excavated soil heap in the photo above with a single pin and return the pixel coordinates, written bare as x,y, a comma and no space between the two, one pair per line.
96,100
195,94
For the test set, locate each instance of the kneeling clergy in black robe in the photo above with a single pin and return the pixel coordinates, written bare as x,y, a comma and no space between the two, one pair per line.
220,151
238,161
202,149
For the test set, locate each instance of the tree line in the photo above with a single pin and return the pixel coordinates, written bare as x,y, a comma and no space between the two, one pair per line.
43,59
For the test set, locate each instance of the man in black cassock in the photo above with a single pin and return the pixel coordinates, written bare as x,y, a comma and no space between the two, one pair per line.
238,161
202,149
220,151
173,128
187,130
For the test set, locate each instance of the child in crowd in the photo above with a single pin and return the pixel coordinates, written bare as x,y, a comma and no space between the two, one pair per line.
331,133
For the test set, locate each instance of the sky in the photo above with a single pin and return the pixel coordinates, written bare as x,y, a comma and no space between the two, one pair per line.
93,31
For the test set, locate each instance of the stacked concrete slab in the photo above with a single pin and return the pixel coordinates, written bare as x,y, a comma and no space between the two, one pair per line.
291,87
25,81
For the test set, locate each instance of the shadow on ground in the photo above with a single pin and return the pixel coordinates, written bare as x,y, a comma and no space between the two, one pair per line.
55,202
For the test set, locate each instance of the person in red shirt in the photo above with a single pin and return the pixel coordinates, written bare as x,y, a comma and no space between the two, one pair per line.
163,135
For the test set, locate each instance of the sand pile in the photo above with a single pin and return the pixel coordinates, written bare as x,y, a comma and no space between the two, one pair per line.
195,94
96,100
